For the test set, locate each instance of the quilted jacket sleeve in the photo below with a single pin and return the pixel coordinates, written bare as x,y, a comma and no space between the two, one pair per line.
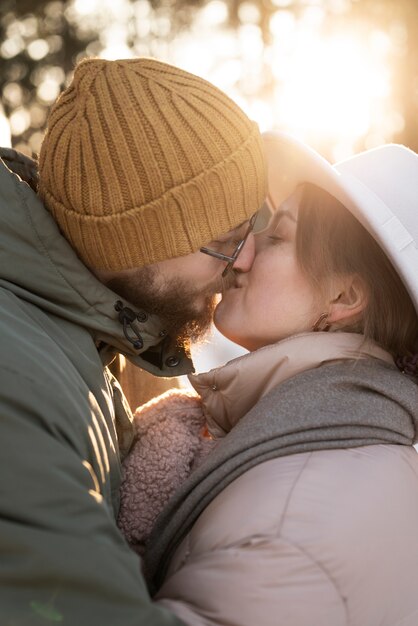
244,561
299,541
264,581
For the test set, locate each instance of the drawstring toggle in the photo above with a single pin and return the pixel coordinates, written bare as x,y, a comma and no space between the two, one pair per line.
127,317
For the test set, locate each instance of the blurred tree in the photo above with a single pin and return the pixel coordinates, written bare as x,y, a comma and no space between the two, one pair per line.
38,49
399,19
40,41
402,18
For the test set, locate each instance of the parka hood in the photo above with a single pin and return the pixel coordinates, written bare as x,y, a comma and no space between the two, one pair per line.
38,265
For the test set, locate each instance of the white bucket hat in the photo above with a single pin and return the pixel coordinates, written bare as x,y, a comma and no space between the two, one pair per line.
379,187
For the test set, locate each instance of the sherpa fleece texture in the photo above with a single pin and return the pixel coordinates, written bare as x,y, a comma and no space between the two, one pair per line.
171,440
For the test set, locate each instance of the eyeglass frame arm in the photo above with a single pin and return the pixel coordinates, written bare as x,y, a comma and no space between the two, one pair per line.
220,255
229,258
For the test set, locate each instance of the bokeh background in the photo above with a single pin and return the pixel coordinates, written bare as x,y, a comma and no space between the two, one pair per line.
340,74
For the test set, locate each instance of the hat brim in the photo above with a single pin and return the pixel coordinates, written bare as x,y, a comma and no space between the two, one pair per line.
291,163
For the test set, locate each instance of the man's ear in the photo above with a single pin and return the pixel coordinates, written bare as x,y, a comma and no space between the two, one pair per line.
349,302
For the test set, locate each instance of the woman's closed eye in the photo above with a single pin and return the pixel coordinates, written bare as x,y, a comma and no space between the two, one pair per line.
275,239
272,238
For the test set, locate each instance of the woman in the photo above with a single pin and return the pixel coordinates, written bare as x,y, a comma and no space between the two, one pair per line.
305,512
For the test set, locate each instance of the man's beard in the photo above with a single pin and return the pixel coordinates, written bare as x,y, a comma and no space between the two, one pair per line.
174,303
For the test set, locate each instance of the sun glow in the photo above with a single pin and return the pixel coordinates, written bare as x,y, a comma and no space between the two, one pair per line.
332,87
315,68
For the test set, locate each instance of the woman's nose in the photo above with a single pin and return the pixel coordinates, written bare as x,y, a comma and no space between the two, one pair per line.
246,256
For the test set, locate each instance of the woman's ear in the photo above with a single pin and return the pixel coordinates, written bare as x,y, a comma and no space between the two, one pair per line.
349,302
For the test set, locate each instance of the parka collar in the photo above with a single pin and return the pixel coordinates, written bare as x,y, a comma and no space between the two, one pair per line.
39,266
230,391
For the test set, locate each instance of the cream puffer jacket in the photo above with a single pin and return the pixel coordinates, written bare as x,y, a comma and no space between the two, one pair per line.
295,540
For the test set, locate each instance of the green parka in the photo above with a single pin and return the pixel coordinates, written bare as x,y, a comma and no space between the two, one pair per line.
64,427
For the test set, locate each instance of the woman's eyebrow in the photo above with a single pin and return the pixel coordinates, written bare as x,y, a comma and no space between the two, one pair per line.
278,216
279,212
285,213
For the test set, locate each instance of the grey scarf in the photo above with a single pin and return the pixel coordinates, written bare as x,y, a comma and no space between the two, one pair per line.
337,405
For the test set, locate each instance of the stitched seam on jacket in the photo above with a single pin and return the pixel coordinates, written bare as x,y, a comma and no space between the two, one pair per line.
290,494
279,533
405,620
324,571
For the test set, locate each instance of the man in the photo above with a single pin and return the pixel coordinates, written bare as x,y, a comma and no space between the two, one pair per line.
143,165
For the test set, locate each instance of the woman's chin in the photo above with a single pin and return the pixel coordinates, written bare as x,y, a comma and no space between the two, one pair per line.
220,320
225,325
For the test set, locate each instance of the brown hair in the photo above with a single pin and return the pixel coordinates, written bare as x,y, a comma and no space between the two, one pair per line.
330,241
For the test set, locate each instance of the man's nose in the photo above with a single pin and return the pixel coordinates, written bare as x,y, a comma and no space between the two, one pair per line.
246,256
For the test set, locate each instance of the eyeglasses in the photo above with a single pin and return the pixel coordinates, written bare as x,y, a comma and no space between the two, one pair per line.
231,258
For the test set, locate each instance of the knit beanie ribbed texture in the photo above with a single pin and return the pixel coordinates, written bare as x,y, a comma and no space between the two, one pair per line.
143,162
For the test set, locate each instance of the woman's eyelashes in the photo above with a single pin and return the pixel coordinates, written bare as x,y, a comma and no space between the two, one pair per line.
272,238
275,239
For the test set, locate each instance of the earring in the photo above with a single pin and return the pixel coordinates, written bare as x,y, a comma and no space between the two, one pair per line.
321,324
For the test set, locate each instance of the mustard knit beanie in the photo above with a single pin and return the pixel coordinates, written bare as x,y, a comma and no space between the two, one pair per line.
143,162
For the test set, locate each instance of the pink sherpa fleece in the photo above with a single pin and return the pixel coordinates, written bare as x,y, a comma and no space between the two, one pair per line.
171,441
